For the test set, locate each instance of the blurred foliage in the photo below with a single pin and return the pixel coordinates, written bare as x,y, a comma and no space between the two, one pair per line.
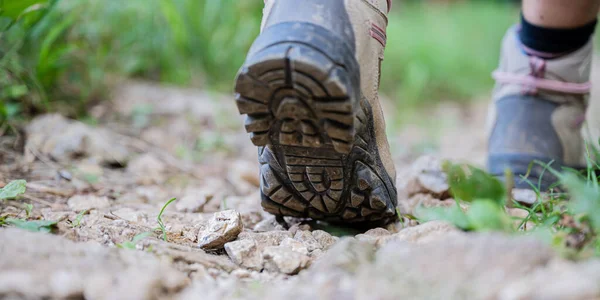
60,55
568,221
443,52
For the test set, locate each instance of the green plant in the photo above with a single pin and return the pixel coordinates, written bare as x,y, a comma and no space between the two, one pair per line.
28,209
77,222
439,52
17,22
13,189
161,225
570,222
131,244
35,226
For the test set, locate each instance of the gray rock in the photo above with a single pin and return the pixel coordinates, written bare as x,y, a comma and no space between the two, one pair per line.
82,202
37,265
458,267
423,233
265,239
427,177
192,203
245,253
325,239
295,246
223,227
345,256
63,140
524,196
558,280
284,260
426,200
306,238
147,168
268,224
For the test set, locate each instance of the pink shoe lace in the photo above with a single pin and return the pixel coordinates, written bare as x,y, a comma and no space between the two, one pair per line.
535,80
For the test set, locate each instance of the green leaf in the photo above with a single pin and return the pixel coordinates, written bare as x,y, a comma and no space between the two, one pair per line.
28,209
468,183
161,225
131,244
15,91
49,40
140,237
453,214
11,110
14,8
79,217
39,225
13,189
487,215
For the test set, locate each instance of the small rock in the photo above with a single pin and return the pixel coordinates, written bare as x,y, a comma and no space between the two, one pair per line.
426,200
347,255
132,215
524,196
378,232
428,177
325,239
284,260
245,253
568,281
63,140
90,168
373,235
192,203
423,233
147,168
82,202
223,227
241,273
298,227
518,212
316,254
295,246
307,239
268,224
120,223
270,238
252,218
189,233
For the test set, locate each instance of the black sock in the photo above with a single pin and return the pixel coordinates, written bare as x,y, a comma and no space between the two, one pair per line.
554,40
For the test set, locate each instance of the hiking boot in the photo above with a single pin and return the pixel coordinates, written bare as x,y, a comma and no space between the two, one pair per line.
309,90
538,113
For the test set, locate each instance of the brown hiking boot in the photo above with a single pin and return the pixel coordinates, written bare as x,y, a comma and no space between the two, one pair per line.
309,90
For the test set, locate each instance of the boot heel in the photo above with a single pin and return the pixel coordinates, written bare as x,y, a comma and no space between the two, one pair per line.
291,90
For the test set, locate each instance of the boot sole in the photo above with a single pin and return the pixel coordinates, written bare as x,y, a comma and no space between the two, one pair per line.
313,130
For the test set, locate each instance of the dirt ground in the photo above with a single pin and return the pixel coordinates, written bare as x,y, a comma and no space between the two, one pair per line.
106,180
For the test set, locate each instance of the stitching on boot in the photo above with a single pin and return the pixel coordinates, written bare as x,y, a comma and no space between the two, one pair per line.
379,34
377,10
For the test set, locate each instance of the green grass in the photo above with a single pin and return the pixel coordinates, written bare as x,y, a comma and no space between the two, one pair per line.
136,239
161,224
61,56
559,218
443,52
77,222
